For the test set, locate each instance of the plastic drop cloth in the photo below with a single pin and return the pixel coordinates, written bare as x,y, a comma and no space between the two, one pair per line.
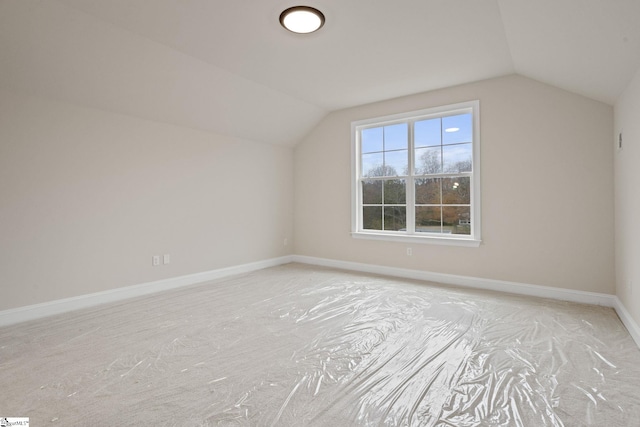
296,345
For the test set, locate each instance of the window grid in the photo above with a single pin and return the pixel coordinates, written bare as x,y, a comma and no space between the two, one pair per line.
456,216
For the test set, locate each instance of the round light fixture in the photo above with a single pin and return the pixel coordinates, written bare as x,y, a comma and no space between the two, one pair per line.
302,19
452,130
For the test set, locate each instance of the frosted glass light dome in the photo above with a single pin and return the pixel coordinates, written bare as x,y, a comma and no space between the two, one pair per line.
302,19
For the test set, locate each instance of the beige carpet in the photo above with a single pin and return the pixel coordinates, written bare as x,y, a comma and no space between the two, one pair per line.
296,345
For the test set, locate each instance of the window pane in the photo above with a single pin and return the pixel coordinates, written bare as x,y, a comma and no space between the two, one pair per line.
396,162
371,140
372,217
372,192
457,129
372,165
395,137
395,192
431,150
428,219
456,191
428,160
457,158
457,219
395,218
427,133
428,191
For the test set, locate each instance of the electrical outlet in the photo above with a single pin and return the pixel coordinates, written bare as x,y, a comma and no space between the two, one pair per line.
155,261
166,259
286,241
409,252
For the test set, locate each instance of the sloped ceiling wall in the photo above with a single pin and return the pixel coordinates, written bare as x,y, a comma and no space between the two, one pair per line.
228,67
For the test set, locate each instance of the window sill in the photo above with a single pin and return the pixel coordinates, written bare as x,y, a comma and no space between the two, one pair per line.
430,240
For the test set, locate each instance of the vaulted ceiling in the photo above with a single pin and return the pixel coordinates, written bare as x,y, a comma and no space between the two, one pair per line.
229,67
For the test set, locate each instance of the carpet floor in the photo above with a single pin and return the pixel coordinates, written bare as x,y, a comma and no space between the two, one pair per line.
297,345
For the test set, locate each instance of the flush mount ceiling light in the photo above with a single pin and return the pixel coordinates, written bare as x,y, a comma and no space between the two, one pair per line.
302,19
452,130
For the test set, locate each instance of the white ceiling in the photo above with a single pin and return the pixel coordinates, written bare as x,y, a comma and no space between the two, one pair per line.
227,66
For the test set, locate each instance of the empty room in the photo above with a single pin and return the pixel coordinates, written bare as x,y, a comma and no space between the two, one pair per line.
331,213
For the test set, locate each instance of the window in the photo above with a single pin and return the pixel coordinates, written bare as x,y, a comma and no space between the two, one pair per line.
416,176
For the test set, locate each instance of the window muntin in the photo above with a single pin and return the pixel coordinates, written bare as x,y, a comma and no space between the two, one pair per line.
417,175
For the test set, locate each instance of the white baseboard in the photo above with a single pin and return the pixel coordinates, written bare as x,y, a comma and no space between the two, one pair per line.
467,281
627,320
37,311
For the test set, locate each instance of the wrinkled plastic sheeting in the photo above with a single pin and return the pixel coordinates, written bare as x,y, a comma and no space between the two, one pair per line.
299,346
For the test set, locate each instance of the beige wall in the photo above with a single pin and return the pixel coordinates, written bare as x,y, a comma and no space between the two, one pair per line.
87,197
547,199
627,198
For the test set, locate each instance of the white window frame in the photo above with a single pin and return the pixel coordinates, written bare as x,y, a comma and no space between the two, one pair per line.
409,236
